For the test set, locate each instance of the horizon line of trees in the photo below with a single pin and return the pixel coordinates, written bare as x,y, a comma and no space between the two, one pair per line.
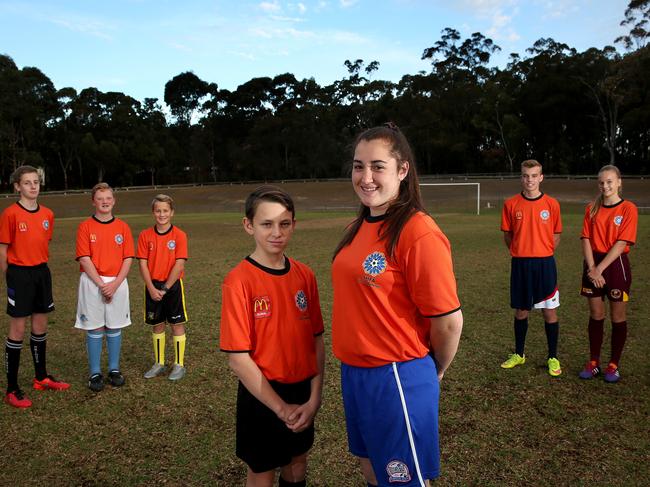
573,111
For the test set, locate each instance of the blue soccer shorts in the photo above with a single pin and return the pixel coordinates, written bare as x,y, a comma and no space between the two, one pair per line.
533,283
391,414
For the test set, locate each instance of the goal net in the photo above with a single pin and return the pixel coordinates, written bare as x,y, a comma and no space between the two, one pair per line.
452,197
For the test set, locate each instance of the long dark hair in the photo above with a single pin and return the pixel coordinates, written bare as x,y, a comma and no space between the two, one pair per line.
408,201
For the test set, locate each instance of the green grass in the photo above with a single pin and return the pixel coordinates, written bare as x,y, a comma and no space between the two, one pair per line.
497,427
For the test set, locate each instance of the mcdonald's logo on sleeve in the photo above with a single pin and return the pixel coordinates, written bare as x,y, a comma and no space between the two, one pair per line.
261,307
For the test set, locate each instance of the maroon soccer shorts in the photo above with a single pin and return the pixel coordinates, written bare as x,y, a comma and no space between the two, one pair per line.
618,279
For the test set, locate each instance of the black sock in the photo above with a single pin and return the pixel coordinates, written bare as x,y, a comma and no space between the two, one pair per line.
38,344
286,483
12,361
521,328
552,334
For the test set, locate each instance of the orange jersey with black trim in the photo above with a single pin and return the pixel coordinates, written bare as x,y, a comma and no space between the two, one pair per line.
27,234
274,315
610,224
533,224
106,243
161,250
382,306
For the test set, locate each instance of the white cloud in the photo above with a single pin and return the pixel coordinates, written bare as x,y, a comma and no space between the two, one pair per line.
281,18
301,7
270,6
559,8
347,3
501,28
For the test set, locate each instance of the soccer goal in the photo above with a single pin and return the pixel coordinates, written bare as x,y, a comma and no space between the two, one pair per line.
447,196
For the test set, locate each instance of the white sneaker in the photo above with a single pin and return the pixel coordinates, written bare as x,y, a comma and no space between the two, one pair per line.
155,371
177,373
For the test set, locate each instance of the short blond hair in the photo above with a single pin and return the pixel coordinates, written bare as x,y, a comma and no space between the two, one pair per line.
100,187
162,198
530,163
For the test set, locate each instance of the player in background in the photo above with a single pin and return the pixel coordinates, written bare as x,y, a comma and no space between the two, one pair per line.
531,225
105,252
25,233
396,316
271,328
608,230
162,252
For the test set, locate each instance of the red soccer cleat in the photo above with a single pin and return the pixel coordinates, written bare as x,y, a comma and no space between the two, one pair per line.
50,383
17,399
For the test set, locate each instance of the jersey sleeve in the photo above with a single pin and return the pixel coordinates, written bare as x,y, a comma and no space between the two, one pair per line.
83,241
236,333
128,249
506,224
7,228
315,313
181,246
557,221
629,224
430,275
586,224
143,248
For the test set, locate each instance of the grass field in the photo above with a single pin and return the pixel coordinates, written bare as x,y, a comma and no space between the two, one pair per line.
497,427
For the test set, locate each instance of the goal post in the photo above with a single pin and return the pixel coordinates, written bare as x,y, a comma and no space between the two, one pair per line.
478,191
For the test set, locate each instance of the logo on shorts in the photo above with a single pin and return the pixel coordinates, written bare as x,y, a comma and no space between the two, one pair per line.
261,307
587,290
374,264
151,315
119,239
544,214
83,318
615,293
301,300
22,226
519,215
398,472
93,238
171,245
46,224
618,219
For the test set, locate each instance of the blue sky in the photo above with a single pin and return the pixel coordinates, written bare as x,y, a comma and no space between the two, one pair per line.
136,46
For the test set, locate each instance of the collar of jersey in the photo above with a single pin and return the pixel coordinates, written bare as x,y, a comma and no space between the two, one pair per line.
531,199
103,223
155,229
614,205
38,207
275,272
375,219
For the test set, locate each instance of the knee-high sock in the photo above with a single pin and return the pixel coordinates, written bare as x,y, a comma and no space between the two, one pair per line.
12,362
37,344
94,342
521,328
114,346
595,330
552,334
159,347
619,335
179,349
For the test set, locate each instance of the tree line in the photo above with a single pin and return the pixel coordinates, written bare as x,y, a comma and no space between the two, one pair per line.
573,111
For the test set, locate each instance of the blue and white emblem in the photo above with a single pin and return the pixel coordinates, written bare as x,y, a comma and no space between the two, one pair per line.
545,214
301,300
374,264
171,245
618,219
398,472
46,224
119,239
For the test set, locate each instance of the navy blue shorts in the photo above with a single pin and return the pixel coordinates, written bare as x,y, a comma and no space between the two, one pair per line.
533,283
391,413
29,290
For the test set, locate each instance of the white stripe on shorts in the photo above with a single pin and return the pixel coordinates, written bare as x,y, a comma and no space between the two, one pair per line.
408,424
620,260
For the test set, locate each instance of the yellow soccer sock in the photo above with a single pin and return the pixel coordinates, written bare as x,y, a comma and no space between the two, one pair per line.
179,348
159,347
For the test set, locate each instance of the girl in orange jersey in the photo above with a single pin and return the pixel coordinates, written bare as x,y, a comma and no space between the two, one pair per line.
609,228
396,316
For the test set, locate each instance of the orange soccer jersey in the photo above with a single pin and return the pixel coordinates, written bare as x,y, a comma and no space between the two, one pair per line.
161,250
106,243
532,223
273,315
27,233
383,306
611,223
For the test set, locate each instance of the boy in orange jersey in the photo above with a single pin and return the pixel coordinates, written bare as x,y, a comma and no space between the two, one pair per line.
105,252
162,251
25,233
271,327
531,225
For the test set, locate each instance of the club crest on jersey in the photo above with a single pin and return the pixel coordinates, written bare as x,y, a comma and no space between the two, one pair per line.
261,307
301,300
93,238
171,245
22,226
46,224
544,214
519,215
398,472
374,264
119,239
618,219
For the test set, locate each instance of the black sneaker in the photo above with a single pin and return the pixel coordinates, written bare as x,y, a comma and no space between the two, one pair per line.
116,378
96,382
